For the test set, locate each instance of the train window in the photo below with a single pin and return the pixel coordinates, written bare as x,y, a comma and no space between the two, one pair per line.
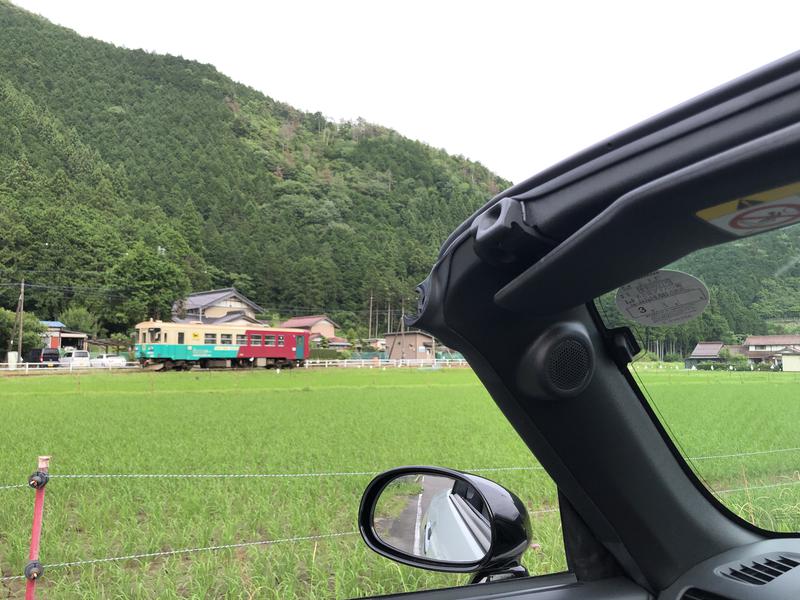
210,338
269,340
299,341
180,337
226,338
280,341
241,339
165,337
255,340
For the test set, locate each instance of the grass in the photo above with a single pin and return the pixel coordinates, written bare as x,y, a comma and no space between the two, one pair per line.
723,413
258,422
310,422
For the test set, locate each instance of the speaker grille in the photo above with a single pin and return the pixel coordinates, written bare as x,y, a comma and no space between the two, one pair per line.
568,365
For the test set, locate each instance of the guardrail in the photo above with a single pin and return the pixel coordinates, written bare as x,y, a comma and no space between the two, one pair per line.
365,363
24,367
371,363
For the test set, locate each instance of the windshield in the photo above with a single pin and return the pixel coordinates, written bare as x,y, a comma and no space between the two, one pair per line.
725,381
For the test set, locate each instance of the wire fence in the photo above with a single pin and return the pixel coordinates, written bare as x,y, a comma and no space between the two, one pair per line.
177,476
297,539
92,561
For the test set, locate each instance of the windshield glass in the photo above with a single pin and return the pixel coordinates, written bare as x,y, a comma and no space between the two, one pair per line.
725,382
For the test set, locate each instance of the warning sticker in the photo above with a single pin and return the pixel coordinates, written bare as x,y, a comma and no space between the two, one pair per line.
760,212
663,298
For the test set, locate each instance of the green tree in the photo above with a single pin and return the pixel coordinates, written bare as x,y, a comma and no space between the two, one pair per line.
143,284
79,318
32,330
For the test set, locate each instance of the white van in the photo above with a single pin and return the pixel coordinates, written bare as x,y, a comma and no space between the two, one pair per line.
75,358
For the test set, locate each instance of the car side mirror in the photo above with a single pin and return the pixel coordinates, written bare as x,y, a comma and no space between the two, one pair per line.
444,520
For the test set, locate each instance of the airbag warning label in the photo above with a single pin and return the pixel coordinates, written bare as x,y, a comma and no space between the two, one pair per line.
760,212
663,298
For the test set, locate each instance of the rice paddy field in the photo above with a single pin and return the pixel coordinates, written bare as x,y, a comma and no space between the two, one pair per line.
334,428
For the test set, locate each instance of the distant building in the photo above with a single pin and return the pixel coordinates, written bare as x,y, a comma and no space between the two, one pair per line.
320,326
771,349
409,345
704,352
791,361
227,305
58,336
378,343
339,343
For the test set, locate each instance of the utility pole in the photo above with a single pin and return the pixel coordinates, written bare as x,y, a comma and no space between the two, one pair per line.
20,313
402,328
389,316
369,325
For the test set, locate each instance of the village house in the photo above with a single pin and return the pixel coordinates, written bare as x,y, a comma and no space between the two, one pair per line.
409,345
776,350
704,352
319,326
226,305
58,336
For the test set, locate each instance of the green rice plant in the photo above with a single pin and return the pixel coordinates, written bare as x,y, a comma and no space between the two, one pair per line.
319,421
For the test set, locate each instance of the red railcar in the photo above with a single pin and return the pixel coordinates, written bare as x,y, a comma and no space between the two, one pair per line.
275,348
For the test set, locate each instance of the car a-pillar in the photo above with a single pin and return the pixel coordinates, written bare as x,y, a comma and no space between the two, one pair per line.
541,370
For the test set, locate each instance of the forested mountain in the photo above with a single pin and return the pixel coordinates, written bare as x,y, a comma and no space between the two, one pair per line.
128,178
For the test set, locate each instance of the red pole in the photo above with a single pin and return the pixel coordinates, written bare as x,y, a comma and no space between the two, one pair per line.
33,570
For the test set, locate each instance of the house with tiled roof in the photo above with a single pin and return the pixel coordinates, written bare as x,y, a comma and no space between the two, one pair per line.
226,305
705,352
771,349
320,326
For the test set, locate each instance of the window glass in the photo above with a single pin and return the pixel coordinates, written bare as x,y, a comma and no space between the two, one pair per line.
180,337
210,338
255,340
280,341
269,340
226,338
725,384
241,339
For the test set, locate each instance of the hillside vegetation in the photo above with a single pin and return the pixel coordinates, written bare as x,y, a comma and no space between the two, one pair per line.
128,178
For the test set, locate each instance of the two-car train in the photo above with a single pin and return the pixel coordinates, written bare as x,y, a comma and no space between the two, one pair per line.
181,346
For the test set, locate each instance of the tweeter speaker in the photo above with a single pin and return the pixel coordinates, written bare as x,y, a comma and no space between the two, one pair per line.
559,363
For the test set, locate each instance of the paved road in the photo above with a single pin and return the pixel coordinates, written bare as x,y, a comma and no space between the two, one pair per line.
401,529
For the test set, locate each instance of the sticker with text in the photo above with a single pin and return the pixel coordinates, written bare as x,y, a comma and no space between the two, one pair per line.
779,207
663,298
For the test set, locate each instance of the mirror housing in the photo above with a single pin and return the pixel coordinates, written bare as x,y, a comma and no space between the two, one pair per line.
508,519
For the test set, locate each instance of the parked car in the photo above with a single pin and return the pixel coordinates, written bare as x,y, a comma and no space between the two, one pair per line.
75,358
108,360
45,356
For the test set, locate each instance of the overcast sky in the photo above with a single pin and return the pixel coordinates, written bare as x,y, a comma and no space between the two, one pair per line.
514,85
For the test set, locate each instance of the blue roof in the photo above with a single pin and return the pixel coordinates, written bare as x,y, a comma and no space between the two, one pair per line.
54,324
